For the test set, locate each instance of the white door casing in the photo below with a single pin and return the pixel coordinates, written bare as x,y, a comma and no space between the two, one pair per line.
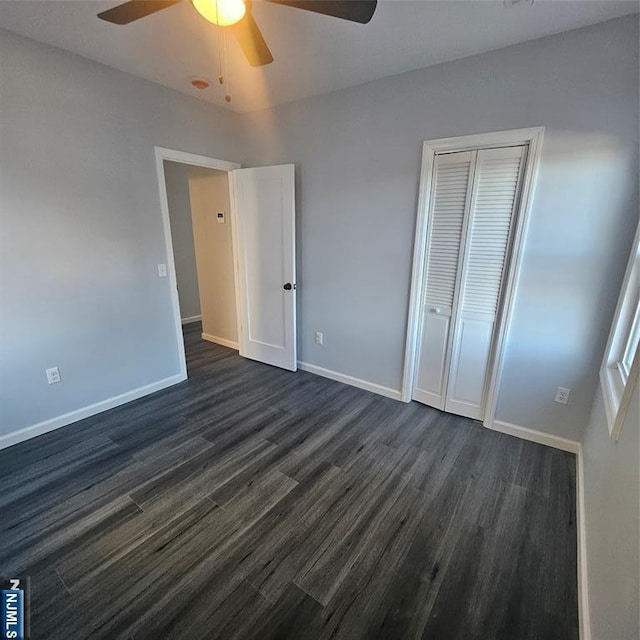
162,154
472,211
533,138
264,217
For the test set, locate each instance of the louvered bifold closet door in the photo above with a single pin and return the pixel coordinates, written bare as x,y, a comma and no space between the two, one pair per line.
491,220
453,174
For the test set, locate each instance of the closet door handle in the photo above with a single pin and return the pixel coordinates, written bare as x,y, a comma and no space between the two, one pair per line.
436,310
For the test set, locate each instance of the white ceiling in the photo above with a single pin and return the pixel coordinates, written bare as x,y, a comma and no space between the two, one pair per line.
314,54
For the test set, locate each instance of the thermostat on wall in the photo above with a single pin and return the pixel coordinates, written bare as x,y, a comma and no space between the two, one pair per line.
220,217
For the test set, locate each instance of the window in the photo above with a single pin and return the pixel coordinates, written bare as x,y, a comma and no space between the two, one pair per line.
619,371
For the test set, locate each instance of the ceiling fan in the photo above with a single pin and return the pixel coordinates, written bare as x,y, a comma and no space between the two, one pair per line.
236,15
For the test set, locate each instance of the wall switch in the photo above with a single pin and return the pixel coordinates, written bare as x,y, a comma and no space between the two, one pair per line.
319,338
220,217
562,395
53,375
162,270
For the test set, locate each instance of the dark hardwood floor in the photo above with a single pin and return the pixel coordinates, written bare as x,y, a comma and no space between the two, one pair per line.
255,503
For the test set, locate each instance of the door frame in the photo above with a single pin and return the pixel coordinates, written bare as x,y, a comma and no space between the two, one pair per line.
532,137
173,155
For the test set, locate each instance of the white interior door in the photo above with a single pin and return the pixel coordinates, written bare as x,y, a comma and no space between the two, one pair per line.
470,224
491,219
453,176
265,225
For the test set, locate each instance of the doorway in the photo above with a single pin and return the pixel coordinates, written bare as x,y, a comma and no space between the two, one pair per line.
186,263
475,198
199,212
255,209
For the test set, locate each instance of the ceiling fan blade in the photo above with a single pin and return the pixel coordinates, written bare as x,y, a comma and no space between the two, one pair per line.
354,10
134,10
251,41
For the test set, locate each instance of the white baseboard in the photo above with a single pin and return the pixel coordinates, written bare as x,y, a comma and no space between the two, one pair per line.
354,382
583,583
191,319
535,436
572,447
85,412
221,341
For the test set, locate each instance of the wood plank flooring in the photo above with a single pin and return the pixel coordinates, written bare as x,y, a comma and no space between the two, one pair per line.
255,503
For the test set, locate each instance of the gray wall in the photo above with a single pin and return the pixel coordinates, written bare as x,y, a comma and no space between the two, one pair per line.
82,229
612,509
82,234
209,193
177,180
357,155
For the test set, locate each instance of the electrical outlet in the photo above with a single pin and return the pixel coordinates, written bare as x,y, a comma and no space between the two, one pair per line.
162,271
53,375
562,395
319,338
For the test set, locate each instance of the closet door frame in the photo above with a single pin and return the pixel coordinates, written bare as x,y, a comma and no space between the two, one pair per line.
532,137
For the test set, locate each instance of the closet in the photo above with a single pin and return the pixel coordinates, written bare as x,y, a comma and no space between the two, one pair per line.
472,215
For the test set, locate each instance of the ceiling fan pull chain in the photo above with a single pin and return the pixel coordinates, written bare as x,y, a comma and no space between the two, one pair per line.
220,76
222,60
225,72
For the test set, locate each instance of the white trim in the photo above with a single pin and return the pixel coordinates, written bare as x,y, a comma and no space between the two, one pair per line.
490,139
237,280
221,341
194,159
533,138
85,412
350,380
571,446
532,435
584,616
191,319
417,272
512,281
162,154
617,399
617,388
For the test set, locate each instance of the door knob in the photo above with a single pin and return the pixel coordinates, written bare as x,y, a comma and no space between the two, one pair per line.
288,286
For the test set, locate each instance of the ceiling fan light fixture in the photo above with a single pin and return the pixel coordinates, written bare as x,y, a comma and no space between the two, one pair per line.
221,12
